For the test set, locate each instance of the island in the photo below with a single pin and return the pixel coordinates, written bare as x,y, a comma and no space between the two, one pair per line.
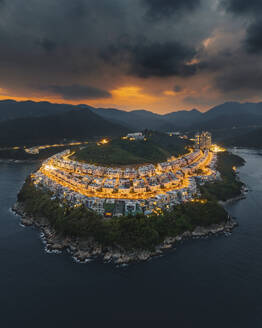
128,199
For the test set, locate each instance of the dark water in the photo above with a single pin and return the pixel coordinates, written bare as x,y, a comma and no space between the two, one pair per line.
214,282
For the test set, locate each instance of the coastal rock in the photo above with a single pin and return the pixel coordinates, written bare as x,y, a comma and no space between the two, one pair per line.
82,256
166,246
144,255
199,232
72,248
27,221
186,234
216,229
123,259
108,256
230,224
55,247
97,251
169,240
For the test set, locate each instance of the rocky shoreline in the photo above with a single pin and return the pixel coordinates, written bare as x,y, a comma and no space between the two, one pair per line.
84,250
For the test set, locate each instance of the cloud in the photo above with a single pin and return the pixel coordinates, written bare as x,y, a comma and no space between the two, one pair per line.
158,9
199,101
162,59
253,10
247,79
253,40
75,92
178,88
81,48
153,59
47,44
242,6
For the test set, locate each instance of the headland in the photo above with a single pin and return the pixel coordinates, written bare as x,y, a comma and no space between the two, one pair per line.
130,213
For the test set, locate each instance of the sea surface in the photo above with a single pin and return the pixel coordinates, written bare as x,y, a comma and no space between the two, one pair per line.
207,283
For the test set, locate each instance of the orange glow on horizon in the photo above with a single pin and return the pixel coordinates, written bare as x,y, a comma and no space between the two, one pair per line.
128,96
169,93
133,95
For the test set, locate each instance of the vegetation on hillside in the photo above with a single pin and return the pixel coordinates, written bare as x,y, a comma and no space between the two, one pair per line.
157,148
249,139
55,128
229,186
139,232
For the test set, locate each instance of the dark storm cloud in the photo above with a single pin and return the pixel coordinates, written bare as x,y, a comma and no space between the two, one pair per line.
153,59
253,40
47,45
164,8
198,101
243,6
56,42
78,9
82,48
178,88
252,9
60,42
218,61
76,91
247,79
235,73
162,59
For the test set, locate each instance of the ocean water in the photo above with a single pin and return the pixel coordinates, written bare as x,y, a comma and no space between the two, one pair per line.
213,282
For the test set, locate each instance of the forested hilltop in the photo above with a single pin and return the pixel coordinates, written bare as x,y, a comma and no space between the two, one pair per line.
156,147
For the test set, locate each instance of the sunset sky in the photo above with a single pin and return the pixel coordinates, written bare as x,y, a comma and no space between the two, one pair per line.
160,55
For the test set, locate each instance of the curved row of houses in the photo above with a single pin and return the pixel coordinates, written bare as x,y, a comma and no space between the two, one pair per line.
142,189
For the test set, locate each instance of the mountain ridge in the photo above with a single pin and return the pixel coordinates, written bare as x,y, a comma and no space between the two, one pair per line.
229,115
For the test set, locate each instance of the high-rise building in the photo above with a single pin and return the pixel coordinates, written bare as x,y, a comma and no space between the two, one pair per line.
203,140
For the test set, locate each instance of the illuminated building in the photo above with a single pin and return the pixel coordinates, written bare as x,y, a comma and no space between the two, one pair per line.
203,140
151,188
135,136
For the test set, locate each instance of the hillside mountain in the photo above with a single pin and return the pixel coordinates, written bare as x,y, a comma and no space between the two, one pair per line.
227,116
230,121
143,119
183,118
10,109
136,119
54,128
234,108
251,139
231,115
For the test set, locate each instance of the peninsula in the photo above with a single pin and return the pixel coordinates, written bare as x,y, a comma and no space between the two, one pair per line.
129,198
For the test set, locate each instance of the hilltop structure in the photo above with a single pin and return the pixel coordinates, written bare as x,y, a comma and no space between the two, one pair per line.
135,136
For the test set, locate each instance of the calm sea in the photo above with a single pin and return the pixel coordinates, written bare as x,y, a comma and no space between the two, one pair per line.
214,282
